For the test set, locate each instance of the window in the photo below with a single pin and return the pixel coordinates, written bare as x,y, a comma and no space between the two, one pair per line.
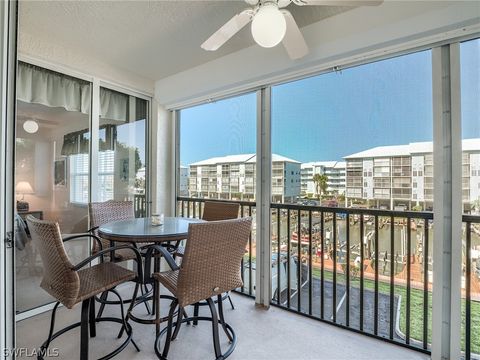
372,118
106,175
79,175
218,145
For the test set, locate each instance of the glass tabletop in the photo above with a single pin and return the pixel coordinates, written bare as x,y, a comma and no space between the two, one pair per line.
141,229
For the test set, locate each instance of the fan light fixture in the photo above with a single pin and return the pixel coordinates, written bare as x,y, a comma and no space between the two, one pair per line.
268,25
30,126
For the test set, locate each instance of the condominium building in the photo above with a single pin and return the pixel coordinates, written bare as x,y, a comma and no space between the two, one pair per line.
401,176
183,181
233,177
334,170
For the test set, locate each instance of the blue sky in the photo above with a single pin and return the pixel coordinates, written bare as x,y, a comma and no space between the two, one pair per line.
330,116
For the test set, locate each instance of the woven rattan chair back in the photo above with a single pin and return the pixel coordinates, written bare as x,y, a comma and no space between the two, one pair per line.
211,264
104,212
59,278
215,211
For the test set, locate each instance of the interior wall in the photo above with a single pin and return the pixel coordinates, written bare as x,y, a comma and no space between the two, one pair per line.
43,53
348,37
35,164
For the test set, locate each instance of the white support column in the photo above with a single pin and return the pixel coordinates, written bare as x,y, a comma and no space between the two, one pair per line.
175,186
263,267
94,137
152,169
448,203
457,203
163,145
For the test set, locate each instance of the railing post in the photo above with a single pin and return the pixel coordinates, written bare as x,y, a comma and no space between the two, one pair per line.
263,169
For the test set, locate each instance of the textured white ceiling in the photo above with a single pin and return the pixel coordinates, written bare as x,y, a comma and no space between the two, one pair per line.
153,39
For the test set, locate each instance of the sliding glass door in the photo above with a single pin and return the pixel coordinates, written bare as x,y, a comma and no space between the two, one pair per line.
58,171
122,161
51,169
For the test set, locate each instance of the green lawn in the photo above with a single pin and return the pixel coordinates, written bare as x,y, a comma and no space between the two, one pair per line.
416,309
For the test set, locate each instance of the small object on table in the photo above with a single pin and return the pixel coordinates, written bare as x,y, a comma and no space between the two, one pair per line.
157,220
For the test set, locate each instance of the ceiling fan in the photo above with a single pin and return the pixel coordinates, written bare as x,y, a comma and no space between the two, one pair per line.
272,24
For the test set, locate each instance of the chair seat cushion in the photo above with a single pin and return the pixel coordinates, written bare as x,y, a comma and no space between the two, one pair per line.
101,277
169,279
124,254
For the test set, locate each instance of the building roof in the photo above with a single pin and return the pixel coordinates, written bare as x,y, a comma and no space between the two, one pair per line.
240,158
409,149
471,144
326,164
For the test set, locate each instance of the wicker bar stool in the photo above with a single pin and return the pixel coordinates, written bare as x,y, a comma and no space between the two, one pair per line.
104,212
210,267
214,211
71,284
101,213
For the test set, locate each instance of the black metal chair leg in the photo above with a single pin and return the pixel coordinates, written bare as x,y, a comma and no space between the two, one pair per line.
222,319
144,290
168,338
196,309
130,308
230,300
103,298
93,328
216,337
122,314
178,324
50,333
185,315
84,330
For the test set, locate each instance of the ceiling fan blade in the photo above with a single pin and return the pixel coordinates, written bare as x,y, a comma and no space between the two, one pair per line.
293,41
223,34
339,2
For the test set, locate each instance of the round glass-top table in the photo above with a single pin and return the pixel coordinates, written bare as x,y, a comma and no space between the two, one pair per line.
142,230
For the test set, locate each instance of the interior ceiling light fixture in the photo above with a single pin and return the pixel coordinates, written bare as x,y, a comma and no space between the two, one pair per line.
30,126
272,24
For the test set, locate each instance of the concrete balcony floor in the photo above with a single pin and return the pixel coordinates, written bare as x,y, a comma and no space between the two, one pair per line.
272,334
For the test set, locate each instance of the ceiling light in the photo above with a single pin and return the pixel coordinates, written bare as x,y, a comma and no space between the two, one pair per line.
30,126
268,25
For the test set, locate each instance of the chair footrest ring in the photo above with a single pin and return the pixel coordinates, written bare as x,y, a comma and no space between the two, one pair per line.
225,355
44,348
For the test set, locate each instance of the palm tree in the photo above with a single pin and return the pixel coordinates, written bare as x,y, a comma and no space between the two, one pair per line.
320,184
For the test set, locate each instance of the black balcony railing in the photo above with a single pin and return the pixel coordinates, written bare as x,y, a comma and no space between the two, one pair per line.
472,277
366,270
352,267
139,205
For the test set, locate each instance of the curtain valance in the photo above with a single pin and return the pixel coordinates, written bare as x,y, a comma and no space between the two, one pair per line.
77,142
41,86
